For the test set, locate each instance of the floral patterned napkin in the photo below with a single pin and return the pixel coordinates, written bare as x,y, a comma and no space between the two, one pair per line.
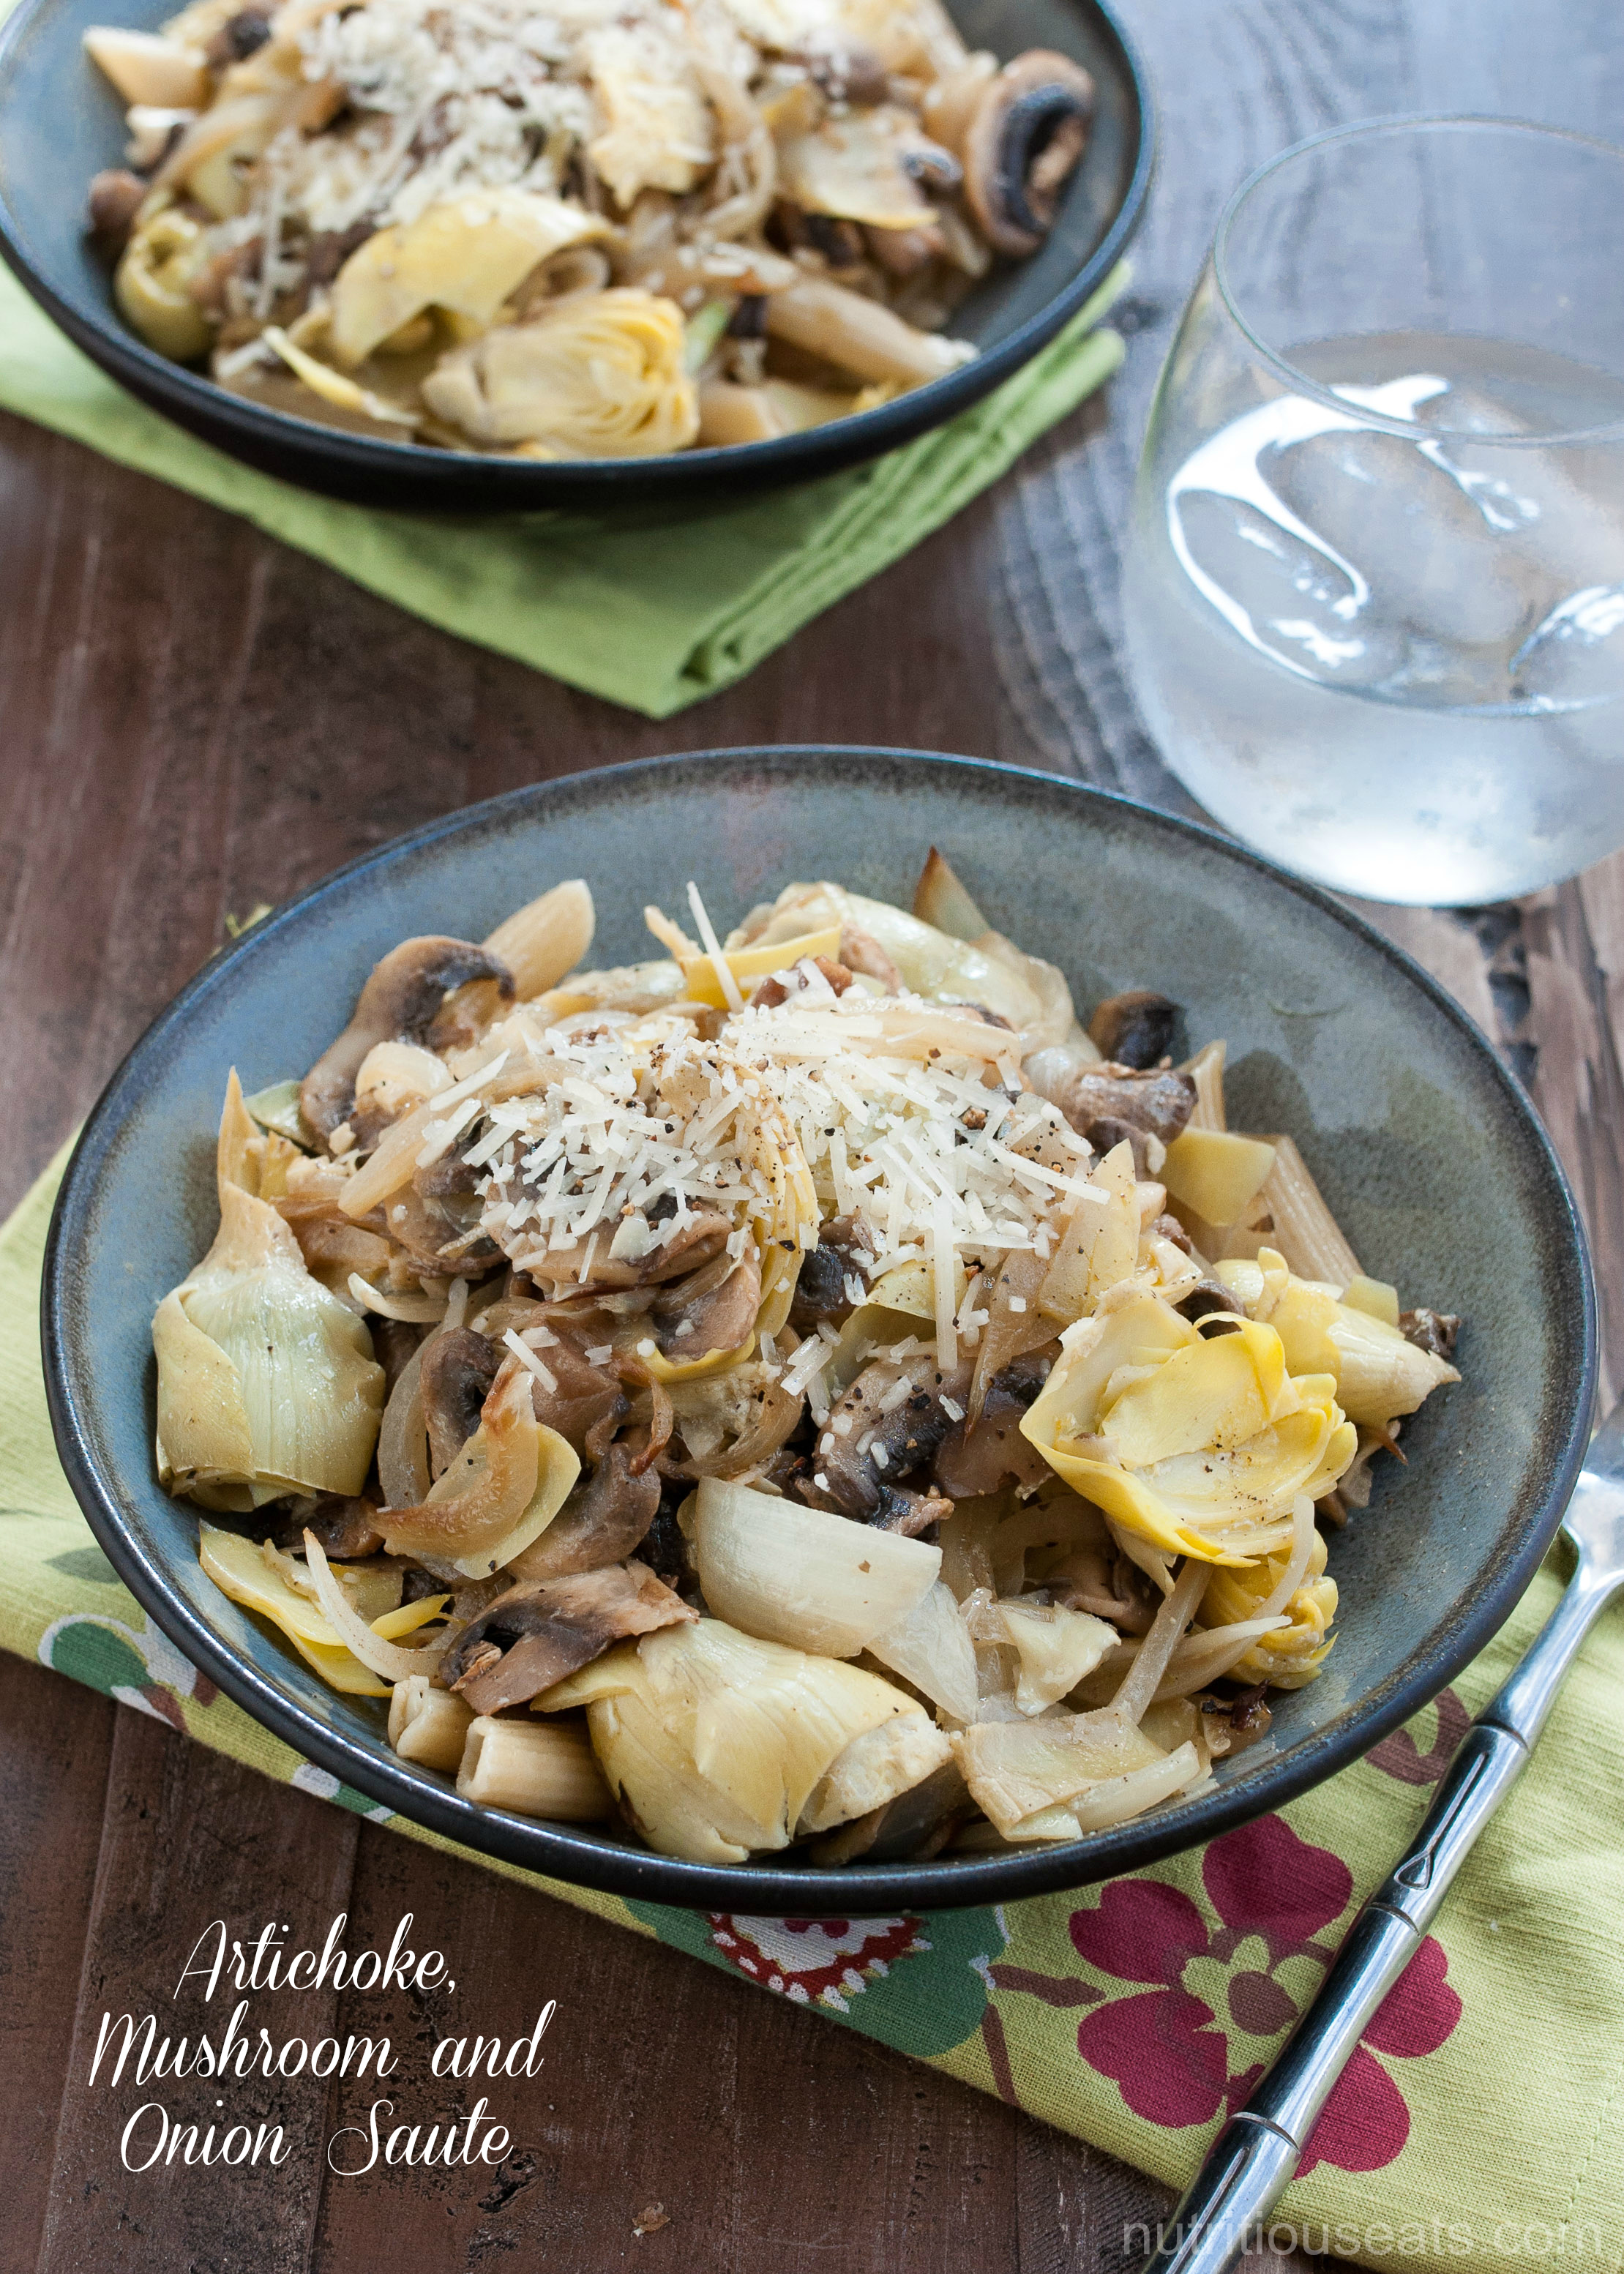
1481,2118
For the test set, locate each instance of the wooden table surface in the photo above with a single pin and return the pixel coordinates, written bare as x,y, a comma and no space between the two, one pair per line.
193,720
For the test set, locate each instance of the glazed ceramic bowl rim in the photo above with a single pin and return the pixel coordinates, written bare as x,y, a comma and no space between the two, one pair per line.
769,1889
862,436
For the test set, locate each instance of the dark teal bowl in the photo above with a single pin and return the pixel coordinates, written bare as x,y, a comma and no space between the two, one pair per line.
60,123
1425,1146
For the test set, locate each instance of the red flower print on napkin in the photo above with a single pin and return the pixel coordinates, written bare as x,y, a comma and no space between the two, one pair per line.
1170,2052
1365,2122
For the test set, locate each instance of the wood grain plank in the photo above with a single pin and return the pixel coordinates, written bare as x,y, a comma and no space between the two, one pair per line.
188,1837
775,2142
55,1740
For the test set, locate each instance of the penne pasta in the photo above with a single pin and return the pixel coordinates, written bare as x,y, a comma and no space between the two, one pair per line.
426,1725
534,1769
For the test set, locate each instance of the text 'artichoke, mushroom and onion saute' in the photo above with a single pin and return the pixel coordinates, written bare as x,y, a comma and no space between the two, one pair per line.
808,1393
573,228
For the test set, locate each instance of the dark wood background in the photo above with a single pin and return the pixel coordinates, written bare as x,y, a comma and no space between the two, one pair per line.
193,720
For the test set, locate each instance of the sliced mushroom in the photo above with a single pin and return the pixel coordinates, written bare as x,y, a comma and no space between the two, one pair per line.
1432,1331
240,36
1098,1577
1159,1102
437,1236
397,1004
714,1310
347,1527
585,1396
1136,1028
538,1632
1025,136
455,1380
665,1546
876,1437
604,1520
974,1460
702,1238
395,1345
841,1260
1206,1297
1244,1718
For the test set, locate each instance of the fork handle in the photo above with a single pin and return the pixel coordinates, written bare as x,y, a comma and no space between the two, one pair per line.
1259,2150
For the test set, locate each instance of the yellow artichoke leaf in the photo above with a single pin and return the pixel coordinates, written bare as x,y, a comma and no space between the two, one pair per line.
1215,1173
309,1392
1099,1246
765,1745
202,1423
1215,1533
675,1809
557,1465
1138,1330
1057,1648
1015,1768
1216,1392
701,983
1379,1374
617,1673
1291,1656
239,1570
466,255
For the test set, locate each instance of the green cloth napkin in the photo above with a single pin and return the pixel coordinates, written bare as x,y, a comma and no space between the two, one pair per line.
653,612
1481,2117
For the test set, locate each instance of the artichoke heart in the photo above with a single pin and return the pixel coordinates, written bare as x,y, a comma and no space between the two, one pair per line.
854,166
466,255
152,282
1291,1656
266,1381
715,1742
1380,1376
599,375
659,133
932,964
1199,1445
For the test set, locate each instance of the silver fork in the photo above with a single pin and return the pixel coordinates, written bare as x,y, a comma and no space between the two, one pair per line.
1256,2154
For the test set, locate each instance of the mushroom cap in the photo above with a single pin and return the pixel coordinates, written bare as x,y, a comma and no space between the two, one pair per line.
1025,136
457,1370
1134,1028
1161,1100
397,1004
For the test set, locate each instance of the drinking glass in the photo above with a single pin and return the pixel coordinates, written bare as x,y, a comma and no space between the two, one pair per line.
1374,589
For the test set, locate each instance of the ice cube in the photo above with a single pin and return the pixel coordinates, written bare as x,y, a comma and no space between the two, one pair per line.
1432,557
1576,655
1283,596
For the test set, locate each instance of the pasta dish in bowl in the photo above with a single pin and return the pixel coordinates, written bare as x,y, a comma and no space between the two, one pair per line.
578,232
491,255
808,1391
887,1436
